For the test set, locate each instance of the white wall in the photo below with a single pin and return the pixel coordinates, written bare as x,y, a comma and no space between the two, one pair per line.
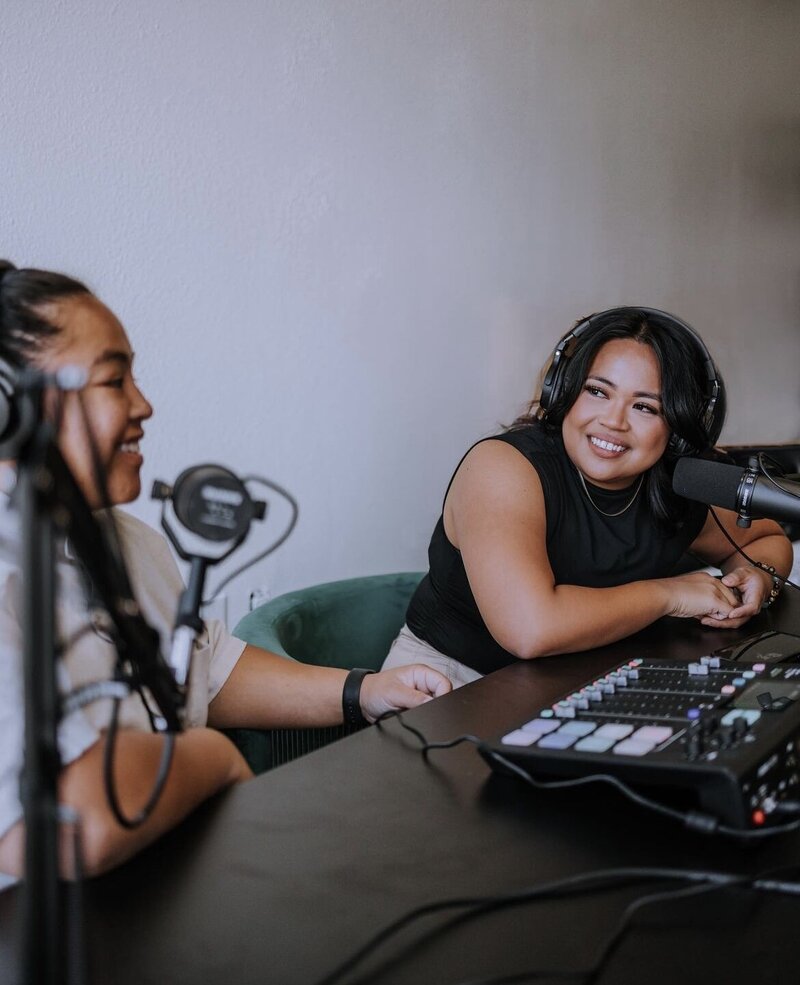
343,235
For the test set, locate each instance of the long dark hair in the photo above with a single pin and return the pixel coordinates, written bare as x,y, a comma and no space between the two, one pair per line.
24,294
684,393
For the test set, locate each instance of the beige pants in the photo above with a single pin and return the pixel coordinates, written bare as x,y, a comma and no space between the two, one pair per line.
410,649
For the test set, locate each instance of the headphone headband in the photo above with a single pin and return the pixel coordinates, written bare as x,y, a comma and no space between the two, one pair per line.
554,381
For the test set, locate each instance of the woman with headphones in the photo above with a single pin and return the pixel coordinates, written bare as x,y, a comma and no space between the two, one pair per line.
561,533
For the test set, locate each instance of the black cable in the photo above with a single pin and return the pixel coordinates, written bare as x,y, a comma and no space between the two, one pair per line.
273,546
521,977
543,784
693,820
739,550
590,975
108,774
583,882
426,746
762,457
613,943
758,883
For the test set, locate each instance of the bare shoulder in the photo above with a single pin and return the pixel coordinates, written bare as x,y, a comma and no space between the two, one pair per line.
494,482
494,466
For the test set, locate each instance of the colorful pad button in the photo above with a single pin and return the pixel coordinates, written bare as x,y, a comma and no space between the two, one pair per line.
592,744
557,740
653,733
632,747
541,725
613,731
520,738
578,728
750,715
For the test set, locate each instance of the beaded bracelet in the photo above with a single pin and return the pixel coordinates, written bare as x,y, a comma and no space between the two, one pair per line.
777,585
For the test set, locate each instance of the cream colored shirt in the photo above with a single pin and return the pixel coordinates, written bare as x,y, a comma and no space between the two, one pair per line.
157,584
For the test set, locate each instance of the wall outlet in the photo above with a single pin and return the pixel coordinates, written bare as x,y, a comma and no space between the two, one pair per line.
259,596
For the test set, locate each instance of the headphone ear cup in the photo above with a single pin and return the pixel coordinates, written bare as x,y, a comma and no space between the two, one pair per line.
8,414
679,447
553,380
713,413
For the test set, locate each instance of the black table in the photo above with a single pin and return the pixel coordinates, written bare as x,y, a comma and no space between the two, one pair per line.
279,880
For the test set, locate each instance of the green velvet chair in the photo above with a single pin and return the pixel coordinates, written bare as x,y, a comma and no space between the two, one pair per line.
349,623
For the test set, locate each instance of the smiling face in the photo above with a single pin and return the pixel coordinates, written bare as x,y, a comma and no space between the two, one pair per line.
92,338
615,430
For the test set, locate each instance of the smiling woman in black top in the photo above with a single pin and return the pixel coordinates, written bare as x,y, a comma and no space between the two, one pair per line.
562,532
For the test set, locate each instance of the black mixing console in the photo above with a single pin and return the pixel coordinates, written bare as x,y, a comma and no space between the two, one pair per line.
727,733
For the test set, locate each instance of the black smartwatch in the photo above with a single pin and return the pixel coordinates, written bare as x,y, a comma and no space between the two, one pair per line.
351,697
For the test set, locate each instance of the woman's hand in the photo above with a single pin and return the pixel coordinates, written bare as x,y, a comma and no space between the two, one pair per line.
713,601
400,688
763,541
753,587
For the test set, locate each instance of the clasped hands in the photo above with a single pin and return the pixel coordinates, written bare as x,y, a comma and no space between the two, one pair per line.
742,592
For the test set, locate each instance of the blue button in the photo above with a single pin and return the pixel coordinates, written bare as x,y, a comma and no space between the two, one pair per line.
632,747
739,681
541,725
692,714
557,740
750,715
578,728
592,744
520,738
614,731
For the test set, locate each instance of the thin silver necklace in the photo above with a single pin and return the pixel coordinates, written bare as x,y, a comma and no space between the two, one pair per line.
626,507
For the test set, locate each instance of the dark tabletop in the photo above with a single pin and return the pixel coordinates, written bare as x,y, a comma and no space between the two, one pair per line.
282,878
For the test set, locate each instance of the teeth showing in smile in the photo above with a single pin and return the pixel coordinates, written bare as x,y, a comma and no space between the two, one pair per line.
606,445
130,446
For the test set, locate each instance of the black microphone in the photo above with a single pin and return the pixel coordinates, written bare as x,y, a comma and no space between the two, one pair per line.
215,505
745,491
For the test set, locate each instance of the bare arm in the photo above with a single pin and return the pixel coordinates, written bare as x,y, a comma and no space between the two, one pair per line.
495,515
265,690
204,762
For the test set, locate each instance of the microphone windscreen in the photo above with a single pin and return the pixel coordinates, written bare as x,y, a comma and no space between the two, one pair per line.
708,482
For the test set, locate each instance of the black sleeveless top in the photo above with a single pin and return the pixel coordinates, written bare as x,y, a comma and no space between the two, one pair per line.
584,548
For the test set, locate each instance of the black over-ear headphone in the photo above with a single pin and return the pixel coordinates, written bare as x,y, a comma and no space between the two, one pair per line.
553,384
